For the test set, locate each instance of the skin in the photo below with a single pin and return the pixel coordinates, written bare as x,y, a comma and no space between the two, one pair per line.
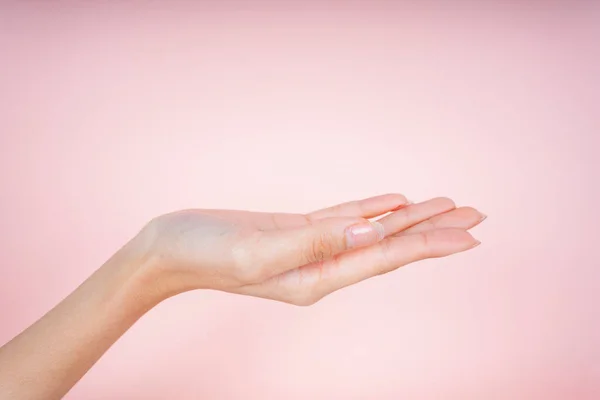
293,258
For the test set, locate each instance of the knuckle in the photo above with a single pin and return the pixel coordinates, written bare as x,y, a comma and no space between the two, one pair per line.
422,250
308,219
398,197
337,209
386,265
359,206
320,248
430,224
407,215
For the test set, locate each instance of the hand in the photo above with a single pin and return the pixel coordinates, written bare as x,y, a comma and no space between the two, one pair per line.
300,258
293,258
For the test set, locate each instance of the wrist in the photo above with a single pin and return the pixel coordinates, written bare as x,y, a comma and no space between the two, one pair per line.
151,279
129,277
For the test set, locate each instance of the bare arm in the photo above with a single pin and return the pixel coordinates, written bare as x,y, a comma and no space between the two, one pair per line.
294,258
48,358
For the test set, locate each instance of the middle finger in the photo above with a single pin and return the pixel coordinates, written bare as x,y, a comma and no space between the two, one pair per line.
461,218
414,214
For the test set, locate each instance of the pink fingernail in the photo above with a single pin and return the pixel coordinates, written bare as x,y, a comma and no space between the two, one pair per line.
477,243
364,234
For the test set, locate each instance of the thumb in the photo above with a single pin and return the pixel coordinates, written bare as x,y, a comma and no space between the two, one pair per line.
281,250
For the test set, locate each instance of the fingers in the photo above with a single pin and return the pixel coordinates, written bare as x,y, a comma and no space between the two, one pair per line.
414,214
387,256
310,283
463,218
367,208
269,253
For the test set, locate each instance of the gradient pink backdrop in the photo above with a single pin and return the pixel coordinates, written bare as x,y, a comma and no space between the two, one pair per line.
114,112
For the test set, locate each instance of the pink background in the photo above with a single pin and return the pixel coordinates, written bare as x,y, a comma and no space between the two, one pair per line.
114,112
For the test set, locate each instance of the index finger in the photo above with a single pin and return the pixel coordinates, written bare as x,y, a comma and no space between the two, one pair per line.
365,208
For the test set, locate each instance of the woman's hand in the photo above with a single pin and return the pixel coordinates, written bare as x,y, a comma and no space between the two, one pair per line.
293,258
300,258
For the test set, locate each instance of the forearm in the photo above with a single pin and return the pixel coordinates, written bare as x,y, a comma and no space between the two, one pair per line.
293,258
48,358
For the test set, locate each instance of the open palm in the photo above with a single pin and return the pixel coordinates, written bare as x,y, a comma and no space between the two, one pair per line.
295,258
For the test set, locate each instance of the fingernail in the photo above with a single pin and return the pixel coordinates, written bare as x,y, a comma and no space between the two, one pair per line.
483,217
364,234
477,243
